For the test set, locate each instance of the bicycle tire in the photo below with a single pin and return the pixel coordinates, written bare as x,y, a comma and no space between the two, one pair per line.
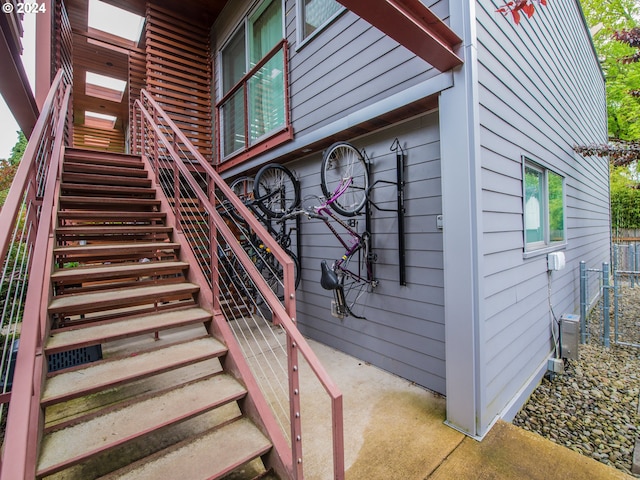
340,162
273,273
243,188
276,190
352,290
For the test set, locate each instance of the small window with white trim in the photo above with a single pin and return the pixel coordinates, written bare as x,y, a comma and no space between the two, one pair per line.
315,14
544,207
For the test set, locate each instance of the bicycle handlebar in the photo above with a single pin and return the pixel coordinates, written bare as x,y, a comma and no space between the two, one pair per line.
295,213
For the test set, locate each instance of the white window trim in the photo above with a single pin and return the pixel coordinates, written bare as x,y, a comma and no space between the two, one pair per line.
540,248
302,41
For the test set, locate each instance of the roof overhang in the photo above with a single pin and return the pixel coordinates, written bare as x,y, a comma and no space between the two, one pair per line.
414,26
14,83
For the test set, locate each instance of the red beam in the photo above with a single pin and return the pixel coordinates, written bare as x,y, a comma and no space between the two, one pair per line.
414,26
14,84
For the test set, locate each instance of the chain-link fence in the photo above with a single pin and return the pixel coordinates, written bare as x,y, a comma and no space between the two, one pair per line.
609,310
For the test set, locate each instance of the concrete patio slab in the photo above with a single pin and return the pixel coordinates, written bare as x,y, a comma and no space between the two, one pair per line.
394,430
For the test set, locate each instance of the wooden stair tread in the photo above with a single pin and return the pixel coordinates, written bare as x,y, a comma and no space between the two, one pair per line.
109,298
110,373
81,200
65,447
110,214
114,162
97,156
100,332
115,247
196,459
104,169
111,189
91,178
112,229
107,271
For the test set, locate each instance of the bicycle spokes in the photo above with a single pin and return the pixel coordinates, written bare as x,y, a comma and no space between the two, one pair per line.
276,190
348,298
343,164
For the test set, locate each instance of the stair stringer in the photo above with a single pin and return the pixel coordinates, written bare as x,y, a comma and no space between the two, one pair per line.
41,368
254,405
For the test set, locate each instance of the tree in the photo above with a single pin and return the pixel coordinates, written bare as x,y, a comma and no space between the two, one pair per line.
617,41
625,199
18,149
516,6
9,167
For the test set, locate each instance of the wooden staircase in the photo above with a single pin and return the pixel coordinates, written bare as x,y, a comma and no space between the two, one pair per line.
158,403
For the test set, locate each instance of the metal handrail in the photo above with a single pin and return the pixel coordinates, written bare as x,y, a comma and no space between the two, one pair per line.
283,314
45,146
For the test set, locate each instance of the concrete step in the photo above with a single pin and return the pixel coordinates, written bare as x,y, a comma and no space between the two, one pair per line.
236,443
76,443
101,375
70,338
81,303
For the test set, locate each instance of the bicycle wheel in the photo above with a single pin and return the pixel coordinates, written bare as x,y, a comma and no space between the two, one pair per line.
243,188
273,273
350,295
342,163
276,190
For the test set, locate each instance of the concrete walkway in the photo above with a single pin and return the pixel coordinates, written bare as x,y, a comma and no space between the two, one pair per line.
394,430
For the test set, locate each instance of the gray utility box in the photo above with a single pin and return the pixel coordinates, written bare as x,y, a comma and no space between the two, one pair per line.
569,336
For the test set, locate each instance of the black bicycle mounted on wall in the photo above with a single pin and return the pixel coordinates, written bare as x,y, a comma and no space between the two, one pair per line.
270,195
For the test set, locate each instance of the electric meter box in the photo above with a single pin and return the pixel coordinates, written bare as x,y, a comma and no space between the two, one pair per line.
569,336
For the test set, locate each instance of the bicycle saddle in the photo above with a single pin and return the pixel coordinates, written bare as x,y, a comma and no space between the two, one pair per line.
329,279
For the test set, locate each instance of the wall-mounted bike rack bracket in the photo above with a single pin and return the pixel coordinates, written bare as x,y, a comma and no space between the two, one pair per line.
400,210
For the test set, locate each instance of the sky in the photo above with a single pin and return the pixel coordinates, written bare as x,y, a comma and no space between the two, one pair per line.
9,127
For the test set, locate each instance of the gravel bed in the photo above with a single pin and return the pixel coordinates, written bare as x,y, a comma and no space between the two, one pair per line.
593,407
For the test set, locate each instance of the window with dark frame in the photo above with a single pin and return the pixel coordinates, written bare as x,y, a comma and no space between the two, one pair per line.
255,104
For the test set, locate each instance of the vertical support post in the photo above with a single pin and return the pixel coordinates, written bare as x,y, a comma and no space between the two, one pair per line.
213,245
294,409
43,51
337,412
615,299
156,159
636,263
605,304
176,197
135,149
632,263
583,302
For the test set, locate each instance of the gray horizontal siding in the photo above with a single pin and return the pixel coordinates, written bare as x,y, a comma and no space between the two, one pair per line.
404,327
347,66
541,93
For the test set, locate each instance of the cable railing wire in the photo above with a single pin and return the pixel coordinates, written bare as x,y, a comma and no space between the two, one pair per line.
230,253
